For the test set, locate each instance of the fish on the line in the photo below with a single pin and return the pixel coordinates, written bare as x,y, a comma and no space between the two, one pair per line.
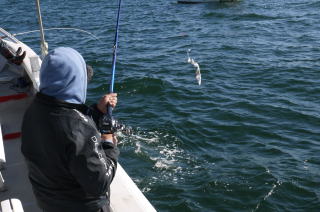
196,65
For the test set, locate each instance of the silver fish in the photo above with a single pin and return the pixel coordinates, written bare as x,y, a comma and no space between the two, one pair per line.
196,65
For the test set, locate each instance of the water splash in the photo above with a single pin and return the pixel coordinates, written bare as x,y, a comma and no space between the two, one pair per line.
159,147
196,65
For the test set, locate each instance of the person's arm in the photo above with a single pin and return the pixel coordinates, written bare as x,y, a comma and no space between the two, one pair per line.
109,138
92,162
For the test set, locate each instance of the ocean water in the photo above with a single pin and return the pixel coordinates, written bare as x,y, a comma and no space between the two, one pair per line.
247,139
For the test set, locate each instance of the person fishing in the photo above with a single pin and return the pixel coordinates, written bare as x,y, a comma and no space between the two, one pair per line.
71,164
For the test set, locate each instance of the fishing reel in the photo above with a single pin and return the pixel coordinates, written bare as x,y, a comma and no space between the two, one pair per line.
109,125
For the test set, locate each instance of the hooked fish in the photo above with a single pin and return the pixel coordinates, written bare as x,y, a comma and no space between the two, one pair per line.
196,65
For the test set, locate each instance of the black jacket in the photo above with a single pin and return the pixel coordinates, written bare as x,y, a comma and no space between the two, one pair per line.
70,169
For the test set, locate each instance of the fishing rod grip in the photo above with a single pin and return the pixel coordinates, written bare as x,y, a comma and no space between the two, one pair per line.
109,110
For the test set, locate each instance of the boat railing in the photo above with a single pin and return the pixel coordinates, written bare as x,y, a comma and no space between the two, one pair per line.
2,160
7,35
2,155
11,205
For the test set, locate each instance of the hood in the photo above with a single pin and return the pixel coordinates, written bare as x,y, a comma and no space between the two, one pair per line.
63,75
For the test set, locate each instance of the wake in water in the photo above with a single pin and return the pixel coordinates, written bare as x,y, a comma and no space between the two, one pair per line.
278,183
196,65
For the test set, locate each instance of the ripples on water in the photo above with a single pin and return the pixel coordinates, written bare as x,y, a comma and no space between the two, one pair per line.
247,139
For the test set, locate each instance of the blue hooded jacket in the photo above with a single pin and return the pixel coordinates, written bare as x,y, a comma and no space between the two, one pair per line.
63,75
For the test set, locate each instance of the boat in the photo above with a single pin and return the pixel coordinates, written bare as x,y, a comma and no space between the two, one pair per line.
18,85
202,1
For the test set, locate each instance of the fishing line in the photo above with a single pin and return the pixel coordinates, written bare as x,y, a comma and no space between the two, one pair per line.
60,28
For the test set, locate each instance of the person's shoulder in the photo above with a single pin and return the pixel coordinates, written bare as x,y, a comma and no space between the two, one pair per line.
80,128
71,119
76,119
79,115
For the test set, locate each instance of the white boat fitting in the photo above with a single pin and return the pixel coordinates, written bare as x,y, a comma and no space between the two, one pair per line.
18,85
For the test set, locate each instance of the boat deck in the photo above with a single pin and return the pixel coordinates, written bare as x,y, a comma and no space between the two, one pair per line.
13,102
17,184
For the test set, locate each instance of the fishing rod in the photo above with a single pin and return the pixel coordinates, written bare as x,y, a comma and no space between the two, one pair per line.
114,58
109,124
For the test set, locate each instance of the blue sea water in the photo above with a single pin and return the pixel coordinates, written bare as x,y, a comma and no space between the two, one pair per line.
247,139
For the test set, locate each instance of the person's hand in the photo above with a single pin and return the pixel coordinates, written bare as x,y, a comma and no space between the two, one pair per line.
110,137
110,99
